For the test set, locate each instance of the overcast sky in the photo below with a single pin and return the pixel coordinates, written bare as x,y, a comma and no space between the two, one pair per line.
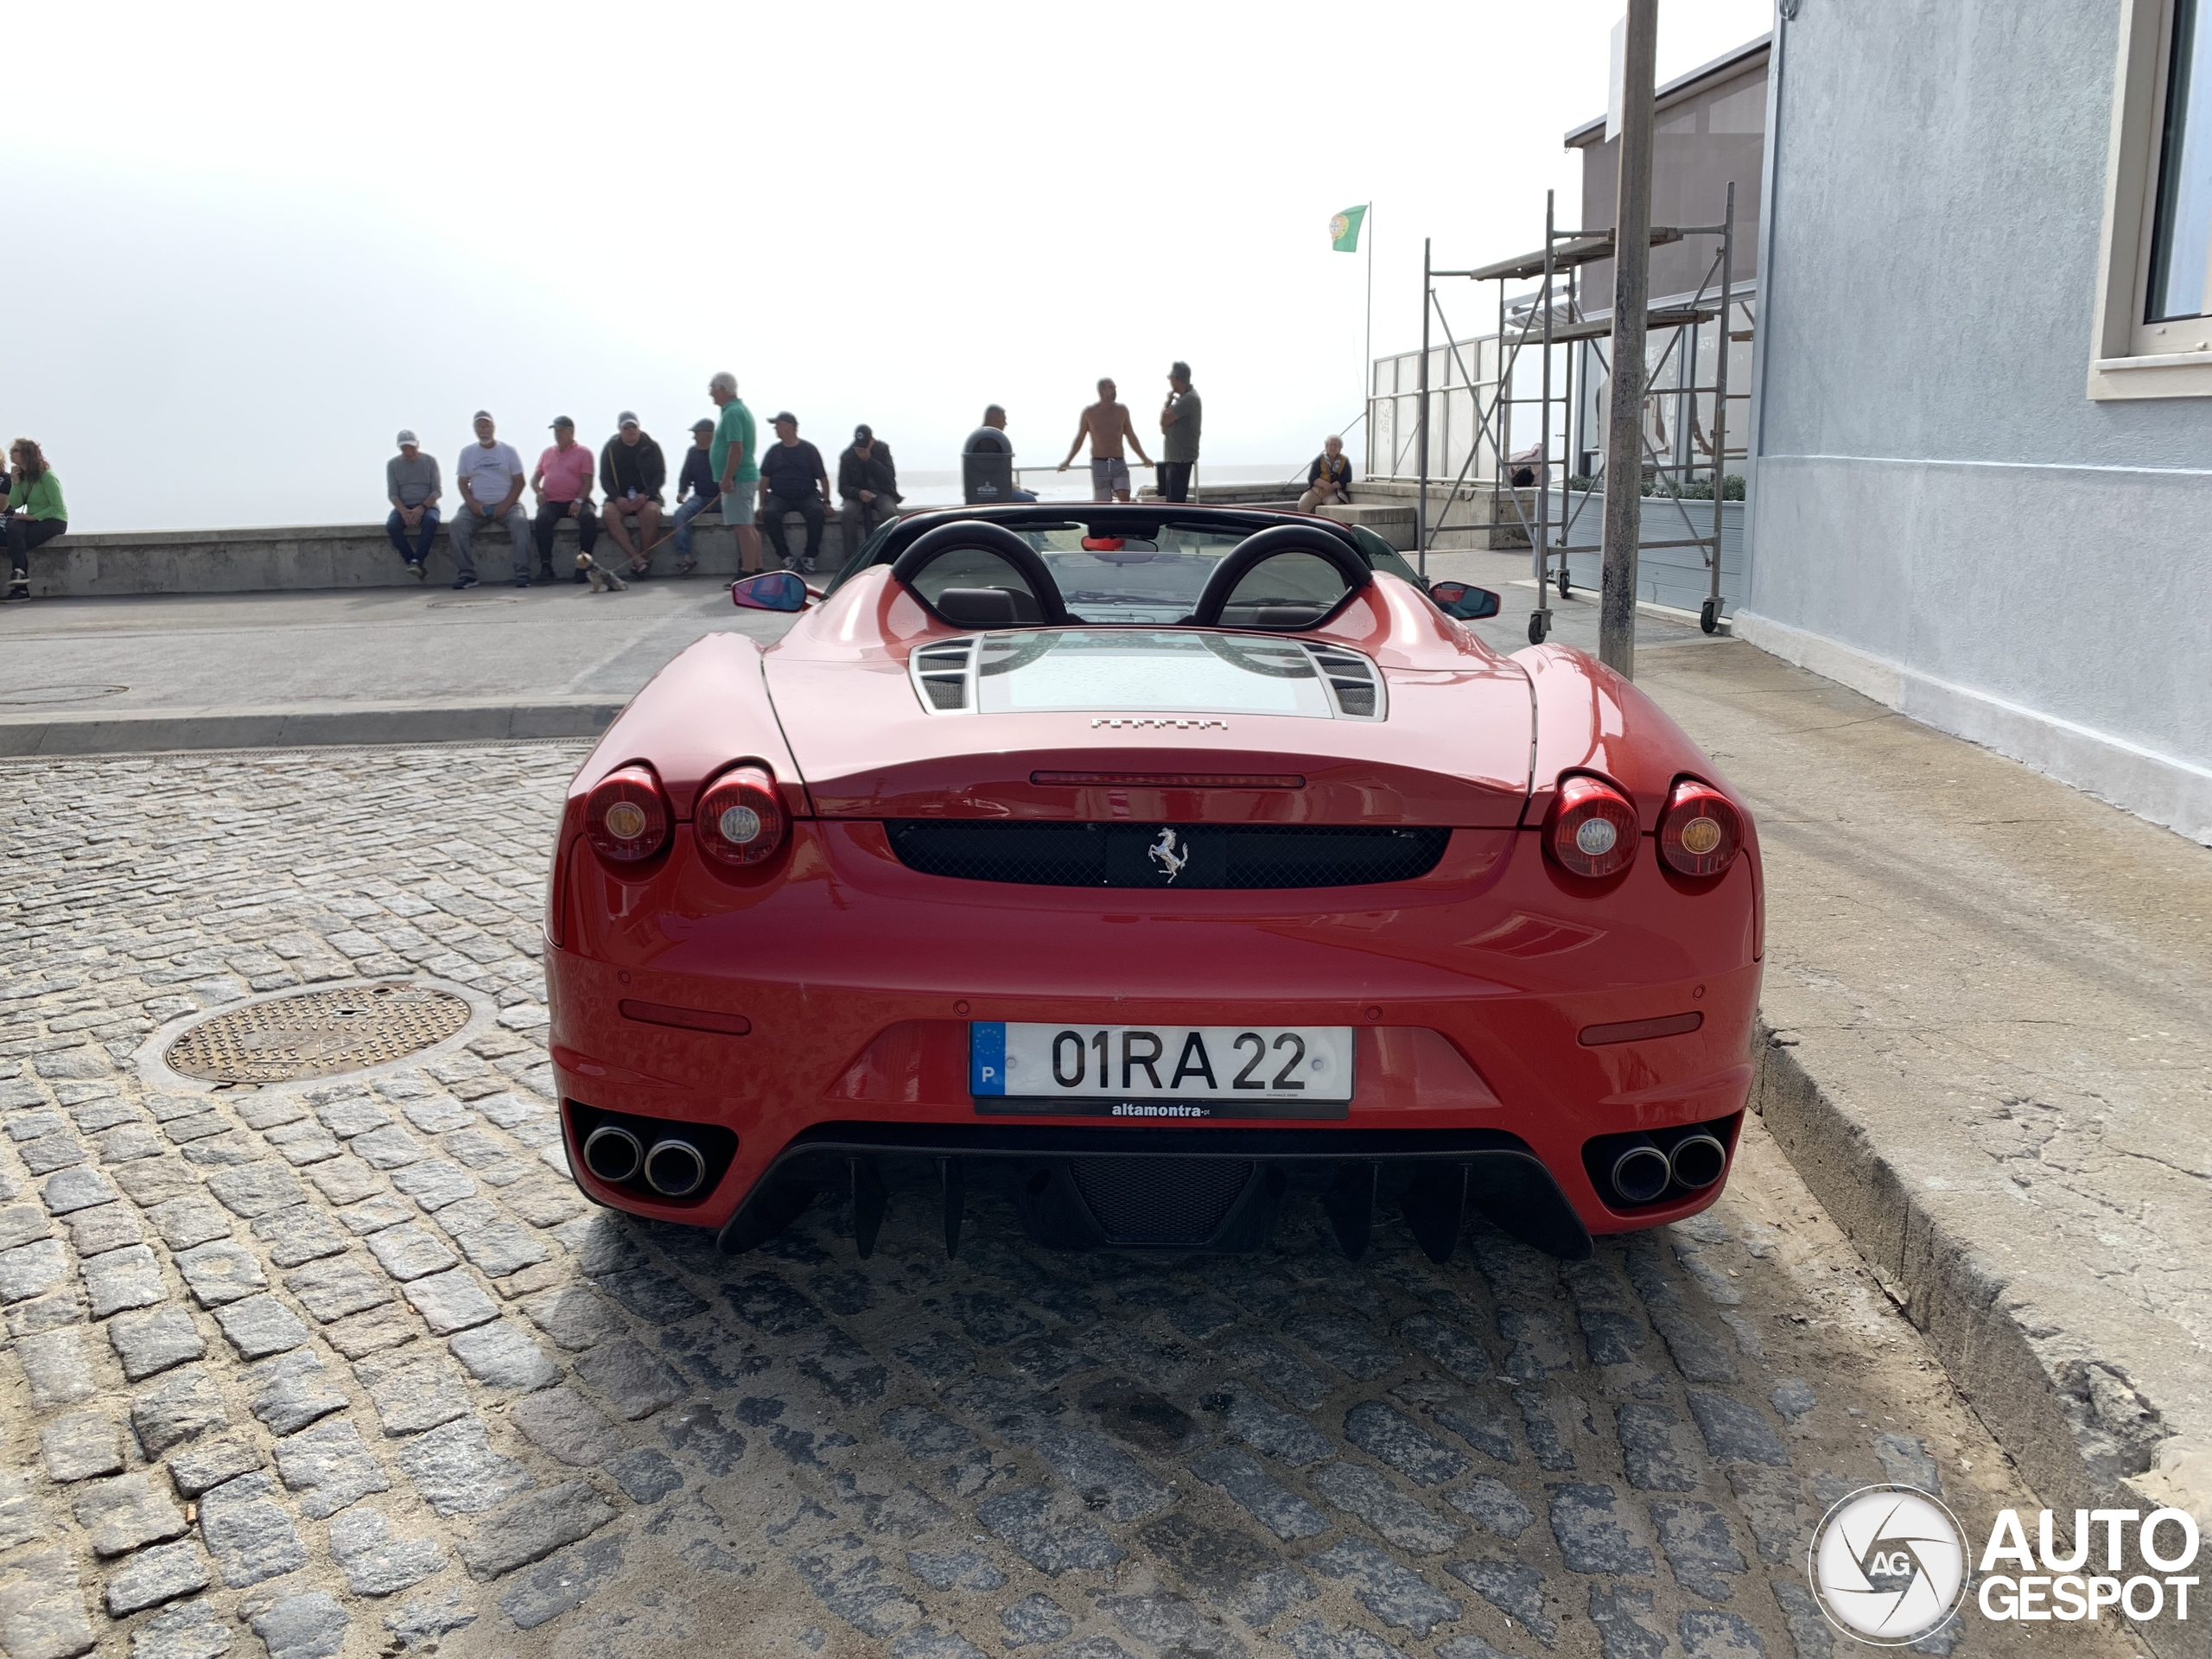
248,242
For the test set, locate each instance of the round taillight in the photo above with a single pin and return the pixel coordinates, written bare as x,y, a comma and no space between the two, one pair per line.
1700,832
626,817
1593,828
740,819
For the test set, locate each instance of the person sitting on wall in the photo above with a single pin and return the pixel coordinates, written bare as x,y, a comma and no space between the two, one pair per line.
697,492
490,474
631,474
793,480
867,487
411,484
35,513
562,484
1329,478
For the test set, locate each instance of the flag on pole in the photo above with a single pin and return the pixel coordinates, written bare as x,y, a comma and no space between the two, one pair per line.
1343,229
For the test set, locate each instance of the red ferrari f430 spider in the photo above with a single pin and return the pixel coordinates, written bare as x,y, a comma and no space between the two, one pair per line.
1161,865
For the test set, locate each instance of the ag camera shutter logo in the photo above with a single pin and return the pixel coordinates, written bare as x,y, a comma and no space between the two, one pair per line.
1888,1566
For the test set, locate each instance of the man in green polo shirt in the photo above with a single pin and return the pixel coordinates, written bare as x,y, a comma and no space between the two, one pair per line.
735,459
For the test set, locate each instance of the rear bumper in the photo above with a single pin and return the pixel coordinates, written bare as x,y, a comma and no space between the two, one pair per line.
1473,996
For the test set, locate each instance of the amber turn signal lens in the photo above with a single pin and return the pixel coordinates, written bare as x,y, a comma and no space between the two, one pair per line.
1593,830
626,817
740,819
1700,832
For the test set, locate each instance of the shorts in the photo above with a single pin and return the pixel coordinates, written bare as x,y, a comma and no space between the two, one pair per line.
739,500
1108,476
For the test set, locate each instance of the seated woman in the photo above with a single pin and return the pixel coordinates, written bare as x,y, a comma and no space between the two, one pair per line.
35,514
1329,478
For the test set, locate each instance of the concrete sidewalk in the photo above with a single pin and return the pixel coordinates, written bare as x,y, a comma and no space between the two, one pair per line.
409,665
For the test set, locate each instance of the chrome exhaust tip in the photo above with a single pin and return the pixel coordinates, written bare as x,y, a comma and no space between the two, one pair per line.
675,1169
613,1153
1640,1173
1697,1160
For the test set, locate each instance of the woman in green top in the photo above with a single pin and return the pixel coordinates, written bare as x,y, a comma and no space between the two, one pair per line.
36,515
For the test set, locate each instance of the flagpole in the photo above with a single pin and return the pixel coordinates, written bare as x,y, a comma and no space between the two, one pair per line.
1367,362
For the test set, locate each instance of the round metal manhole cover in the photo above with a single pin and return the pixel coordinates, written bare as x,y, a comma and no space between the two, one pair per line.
318,1033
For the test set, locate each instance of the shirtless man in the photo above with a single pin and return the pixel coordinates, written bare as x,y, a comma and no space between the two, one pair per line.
1107,424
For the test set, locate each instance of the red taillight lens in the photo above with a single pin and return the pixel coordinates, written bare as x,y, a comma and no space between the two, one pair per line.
1700,832
1593,828
626,817
740,819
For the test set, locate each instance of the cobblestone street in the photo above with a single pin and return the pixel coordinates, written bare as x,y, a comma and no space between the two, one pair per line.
348,1367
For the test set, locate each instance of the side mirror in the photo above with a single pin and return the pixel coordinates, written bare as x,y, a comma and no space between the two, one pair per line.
778,590
1468,603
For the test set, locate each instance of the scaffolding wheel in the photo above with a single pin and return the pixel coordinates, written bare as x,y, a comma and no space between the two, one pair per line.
1565,583
1536,628
1708,617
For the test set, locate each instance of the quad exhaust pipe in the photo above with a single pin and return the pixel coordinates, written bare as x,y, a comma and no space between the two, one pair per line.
1697,1159
1641,1171
1634,1170
671,1166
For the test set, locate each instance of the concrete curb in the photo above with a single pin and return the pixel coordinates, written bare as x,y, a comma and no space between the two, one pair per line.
1960,1305
353,724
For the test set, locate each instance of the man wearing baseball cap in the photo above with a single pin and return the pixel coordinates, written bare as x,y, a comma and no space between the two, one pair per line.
491,493
562,482
793,480
631,474
697,492
412,485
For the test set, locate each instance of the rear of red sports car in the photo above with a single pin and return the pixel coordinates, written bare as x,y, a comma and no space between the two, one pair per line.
1155,911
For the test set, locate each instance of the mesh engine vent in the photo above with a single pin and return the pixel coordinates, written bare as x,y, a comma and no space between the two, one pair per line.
1352,681
944,674
1160,1200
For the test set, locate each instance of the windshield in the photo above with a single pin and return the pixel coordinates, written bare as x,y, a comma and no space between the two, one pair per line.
1152,572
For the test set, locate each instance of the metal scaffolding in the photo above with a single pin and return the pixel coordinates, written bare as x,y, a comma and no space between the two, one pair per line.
1552,317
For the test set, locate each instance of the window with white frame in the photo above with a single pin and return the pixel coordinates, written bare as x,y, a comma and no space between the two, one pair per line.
2154,301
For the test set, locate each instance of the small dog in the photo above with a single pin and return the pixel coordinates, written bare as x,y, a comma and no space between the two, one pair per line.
602,580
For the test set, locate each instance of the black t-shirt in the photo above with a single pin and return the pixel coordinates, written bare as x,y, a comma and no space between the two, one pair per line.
789,470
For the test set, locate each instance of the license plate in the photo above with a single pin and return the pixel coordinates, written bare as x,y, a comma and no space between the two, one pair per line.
1160,1072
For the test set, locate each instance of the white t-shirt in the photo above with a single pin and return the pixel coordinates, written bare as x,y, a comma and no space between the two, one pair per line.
488,473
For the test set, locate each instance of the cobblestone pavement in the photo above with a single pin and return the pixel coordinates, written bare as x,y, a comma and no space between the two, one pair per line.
348,1368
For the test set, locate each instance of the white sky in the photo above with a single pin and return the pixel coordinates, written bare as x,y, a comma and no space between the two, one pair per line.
249,242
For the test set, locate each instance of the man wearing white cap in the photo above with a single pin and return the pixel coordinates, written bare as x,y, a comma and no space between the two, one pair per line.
412,485
490,491
631,472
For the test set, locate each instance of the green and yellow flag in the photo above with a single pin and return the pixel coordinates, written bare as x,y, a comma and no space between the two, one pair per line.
1343,229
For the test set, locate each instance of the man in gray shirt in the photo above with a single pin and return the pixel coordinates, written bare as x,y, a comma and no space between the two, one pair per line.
411,484
1178,427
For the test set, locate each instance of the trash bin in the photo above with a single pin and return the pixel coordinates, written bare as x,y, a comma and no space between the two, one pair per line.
987,476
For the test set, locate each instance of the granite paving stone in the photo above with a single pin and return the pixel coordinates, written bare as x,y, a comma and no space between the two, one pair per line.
42,1611
188,1219
407,1252
121,1280
451,1301
292,1391
377,1562
119,1515
456,1470
58,1366
210,1462
565,1580
248,1532
32,1269
259,1326
339,1285
1361,1491
150,1342
81,1445
311,1625
501,1356
156,1575
221,1272
1394,1594
190,1631
252,1189
186,1405
533,1526
104,1227
634,1381
299,1233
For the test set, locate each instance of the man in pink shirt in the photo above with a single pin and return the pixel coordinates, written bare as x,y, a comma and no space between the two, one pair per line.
562,483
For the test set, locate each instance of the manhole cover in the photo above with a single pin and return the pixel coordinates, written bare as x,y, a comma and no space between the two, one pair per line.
318,1033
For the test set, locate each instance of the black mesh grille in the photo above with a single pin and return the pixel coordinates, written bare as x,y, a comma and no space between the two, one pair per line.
1166,855
1160,1200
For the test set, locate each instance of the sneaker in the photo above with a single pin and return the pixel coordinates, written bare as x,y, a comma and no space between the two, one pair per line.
638,572
464,581
521,581
806,567
545,573
685,567
19,588
415,569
